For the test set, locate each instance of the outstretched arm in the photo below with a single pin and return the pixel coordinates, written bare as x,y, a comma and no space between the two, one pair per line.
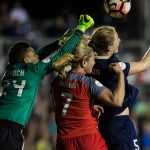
140,66
85,22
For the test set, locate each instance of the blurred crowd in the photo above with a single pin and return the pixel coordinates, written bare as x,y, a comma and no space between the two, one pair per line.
16,23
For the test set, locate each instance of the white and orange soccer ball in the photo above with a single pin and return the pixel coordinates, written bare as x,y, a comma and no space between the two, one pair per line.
117,8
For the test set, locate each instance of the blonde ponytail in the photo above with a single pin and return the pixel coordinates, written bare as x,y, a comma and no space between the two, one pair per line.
61,63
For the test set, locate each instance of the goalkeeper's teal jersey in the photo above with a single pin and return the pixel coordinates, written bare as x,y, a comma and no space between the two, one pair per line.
20,84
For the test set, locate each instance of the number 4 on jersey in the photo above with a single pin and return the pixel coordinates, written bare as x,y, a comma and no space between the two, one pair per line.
6,84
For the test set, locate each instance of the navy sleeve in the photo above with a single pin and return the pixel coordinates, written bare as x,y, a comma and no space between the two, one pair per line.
124,65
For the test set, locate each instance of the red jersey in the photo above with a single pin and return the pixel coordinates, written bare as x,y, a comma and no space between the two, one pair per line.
73,99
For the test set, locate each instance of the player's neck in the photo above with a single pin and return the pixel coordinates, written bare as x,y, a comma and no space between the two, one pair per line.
105,54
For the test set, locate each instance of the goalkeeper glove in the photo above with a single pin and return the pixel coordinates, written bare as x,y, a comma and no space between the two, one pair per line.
85,22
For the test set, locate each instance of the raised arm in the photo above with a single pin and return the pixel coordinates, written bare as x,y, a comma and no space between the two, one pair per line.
116,97
140,66
85,22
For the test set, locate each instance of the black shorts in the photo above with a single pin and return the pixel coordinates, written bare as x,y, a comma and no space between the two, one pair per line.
11,137
119,133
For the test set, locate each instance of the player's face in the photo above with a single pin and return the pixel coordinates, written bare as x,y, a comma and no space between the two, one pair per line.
90,63
116,43
31,56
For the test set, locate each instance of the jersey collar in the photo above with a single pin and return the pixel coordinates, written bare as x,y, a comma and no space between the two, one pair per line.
102,57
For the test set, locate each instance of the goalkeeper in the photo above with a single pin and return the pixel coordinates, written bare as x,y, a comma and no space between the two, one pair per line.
21,80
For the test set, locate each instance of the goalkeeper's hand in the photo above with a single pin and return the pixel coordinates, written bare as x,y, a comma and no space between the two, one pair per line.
85,22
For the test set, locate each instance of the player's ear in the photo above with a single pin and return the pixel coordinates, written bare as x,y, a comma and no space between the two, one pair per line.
110,48
26,60
84,63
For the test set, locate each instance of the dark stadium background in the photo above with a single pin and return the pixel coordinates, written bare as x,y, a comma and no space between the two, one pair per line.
47,9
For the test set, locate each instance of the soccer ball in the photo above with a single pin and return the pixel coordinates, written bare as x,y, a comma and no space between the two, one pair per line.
117,8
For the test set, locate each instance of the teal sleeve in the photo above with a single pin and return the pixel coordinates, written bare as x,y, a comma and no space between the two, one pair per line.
69,46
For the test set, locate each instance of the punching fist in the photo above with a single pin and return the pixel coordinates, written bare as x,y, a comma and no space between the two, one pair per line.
85,22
